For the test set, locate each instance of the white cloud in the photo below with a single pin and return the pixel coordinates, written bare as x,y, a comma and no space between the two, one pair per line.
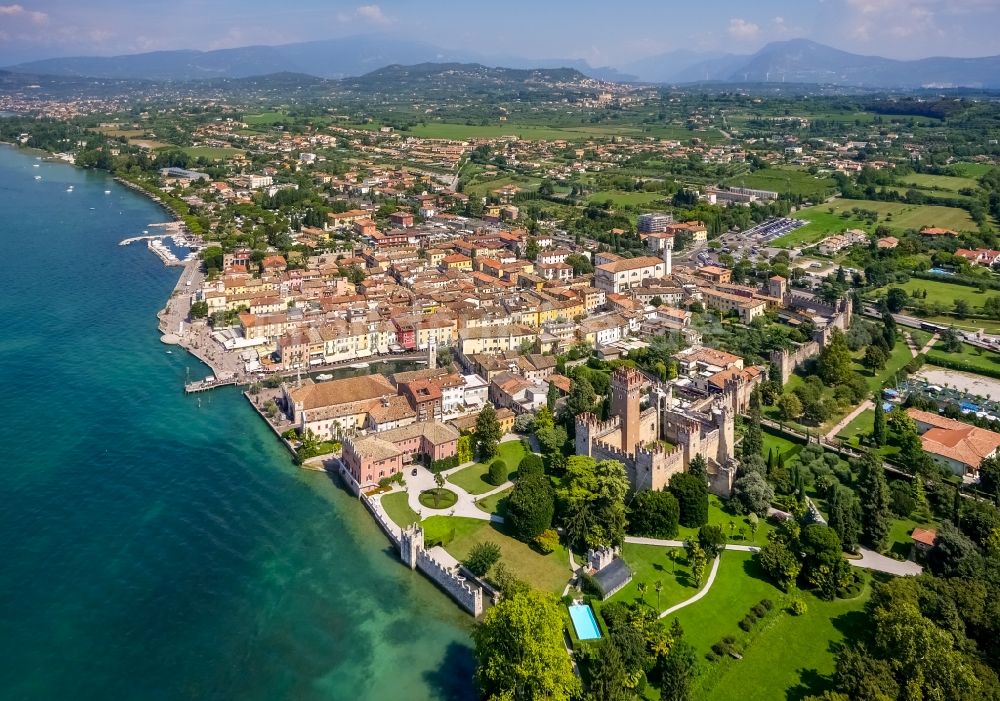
19,11
368,13
742,29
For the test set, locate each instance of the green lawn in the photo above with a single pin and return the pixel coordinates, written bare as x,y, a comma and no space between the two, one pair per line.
212,153
899,357
264,118
650,564
780,444
945,293
901,216
717,516
438,498
738,586
972,170
790,656
473,478
495,503
545,572
398,509
976,358
626,199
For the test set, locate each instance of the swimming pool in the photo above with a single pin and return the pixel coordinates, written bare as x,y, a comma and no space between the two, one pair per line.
584,622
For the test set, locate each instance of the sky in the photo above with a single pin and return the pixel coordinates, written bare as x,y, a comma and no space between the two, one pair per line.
601,32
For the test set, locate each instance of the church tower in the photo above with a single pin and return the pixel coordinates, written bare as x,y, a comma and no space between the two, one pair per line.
626,390
432,351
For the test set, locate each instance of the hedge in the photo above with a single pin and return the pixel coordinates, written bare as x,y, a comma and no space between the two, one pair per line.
945,361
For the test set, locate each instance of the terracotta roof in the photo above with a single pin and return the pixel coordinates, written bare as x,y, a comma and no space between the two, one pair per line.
925,536
343,391
955,440
626,264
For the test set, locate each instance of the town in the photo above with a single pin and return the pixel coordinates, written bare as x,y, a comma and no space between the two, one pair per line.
717,369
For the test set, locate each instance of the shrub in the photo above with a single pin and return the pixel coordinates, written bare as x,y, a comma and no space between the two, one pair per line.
767,604
498,473
530,464
799,607
547,541
747,623
760,610
482,557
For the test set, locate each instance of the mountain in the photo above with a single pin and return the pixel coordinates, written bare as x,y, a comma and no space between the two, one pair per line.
672,67
804,61
334,58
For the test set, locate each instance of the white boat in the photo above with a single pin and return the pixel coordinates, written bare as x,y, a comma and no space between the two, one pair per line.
324,377
35,165
69,189
359,366
107,192
38,177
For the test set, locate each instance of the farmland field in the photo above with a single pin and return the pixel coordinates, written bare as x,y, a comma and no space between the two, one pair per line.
626,199
786,180
938,182
895,215
211,153
821,224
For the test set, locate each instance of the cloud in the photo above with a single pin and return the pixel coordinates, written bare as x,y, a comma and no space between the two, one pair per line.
19,11
742,29
371,14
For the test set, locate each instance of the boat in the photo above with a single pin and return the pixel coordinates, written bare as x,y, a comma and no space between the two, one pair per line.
38,177
170,352
69,189
323,377
107,192
359,366
35,165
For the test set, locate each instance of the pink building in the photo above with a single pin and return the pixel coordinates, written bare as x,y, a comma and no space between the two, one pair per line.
372,458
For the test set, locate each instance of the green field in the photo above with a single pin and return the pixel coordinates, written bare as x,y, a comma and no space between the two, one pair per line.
481,187
398,509
975,358
495,503
212,153
821,224
718,516
794,656
938,182
536,132
626,199
945,292
780,444
473,478
545,572
264,118
900,216
793,181
972,170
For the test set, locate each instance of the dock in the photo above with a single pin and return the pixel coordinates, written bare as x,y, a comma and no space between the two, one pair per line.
205,385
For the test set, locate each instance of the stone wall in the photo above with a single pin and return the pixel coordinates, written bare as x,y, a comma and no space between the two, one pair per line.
786,361
411,550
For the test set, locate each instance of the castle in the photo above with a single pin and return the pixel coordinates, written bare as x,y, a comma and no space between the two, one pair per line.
658,441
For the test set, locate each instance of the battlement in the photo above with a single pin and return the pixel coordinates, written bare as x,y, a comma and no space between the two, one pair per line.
627,378
596,426
611,452
657,449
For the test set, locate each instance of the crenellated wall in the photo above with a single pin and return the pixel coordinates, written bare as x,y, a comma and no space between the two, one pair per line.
786,361
411,550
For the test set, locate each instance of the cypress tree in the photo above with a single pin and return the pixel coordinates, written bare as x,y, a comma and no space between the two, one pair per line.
878,432
874,493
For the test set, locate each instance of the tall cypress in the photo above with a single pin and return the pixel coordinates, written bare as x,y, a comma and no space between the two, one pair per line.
878,432
873,490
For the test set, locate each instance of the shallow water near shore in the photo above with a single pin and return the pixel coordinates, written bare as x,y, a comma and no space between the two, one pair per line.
155,548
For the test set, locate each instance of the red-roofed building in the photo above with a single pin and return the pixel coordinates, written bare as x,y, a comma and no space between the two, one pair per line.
958,446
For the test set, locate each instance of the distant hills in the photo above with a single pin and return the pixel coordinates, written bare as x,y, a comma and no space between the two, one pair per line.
795,61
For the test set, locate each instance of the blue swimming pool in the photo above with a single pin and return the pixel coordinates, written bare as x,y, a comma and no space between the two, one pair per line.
584,622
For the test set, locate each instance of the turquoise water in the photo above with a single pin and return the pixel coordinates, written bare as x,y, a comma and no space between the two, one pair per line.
153,548
584,622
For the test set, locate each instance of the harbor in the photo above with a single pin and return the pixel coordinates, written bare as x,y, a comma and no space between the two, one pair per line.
175,232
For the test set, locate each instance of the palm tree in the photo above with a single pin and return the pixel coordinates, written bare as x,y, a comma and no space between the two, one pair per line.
672,554
658,587
642,591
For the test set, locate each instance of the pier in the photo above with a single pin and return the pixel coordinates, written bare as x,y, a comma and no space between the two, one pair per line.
206,384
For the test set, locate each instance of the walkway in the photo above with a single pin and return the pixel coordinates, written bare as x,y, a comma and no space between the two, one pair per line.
849,418
870,559
701,594
465,506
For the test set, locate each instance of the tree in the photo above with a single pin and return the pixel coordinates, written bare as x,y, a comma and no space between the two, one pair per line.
845,517
608,677
531,250
753,493
711,539
530,506
699,466
779,563
874,494
199,310
875,358
497,474
754,525
790,407
753,439
654,514
989,477
581,400
961,308
834,365
551,396
488,432
692,497
697,561
520,653
658,587
482,557
897,299
530,464
879,430
591,496
954,554
641,588
677,672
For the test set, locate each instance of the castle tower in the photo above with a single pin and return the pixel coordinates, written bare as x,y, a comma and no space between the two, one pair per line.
626,389
727,434
432,351
411,542
668,250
